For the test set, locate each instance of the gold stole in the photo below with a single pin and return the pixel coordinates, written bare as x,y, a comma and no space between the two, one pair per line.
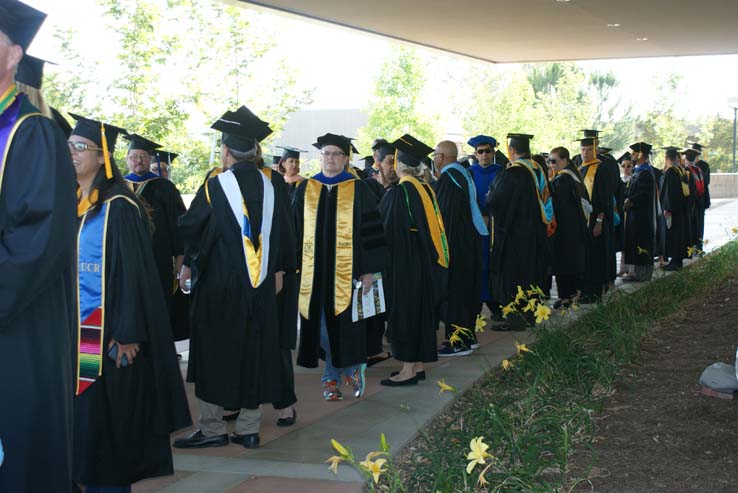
589,175
343,281
433,217
682,178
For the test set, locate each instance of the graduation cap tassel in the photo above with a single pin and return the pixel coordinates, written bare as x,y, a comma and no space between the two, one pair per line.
106,154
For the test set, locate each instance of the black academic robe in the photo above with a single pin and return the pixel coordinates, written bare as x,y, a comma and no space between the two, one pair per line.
613,173
641,218
673,200
705,168
236,345
697,206
464,286
347,338
597,272
519,251
165,207
416,284
123,420
38,315
570,240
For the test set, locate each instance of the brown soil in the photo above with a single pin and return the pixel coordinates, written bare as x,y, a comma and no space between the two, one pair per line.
657,433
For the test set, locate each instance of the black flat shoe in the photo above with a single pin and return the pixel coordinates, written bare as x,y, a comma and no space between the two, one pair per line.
420,374
377,359
231,417
247,441
288,421
198,440
392,383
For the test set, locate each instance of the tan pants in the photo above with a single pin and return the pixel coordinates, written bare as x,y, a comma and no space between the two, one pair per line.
212,424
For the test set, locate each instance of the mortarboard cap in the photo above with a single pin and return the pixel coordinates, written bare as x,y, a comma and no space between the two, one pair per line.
641,147
591,133
586,141
379,143
691,153
242,129
61,121
411,151
340,141
164,156
31,71
482,140
696,146
604,150
290,152
625,157
276,159
368,160
20,22
90,129
521,142
671,152
141,143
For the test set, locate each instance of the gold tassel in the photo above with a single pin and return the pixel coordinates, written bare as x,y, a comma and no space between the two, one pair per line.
106,154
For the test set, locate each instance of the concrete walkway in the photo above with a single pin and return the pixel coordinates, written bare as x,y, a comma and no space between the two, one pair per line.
294,458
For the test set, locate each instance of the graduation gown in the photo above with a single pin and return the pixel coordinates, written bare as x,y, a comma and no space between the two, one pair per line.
705,168
641,218
416,284
697,205
614,182
519,252
37,310
570,240
236,345
483,182
123,420
673,200
347,338
166,205
599,249
464,286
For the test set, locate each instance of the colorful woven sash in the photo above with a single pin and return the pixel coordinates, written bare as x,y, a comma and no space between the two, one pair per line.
433,217
545,202
699,182
91,295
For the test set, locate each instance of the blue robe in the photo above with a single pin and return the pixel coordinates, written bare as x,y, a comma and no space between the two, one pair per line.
483,178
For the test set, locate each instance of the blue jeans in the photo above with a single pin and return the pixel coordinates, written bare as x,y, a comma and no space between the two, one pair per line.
331,372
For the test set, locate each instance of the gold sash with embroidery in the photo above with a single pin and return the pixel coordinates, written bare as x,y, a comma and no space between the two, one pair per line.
590,170
343,280
433,217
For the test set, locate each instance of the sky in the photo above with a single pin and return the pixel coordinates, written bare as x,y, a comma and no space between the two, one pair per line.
708,82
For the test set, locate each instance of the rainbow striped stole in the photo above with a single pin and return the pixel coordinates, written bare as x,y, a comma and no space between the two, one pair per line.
91,295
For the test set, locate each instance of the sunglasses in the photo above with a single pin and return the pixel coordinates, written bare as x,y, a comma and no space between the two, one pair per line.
485,151
81,146
551,161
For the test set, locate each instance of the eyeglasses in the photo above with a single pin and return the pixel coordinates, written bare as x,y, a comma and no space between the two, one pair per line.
332,154
81,146
138,157
485,151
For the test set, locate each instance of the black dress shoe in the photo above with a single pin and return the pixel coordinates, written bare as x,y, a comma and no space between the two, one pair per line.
198,440
420,374
250,440
402,383
288,421
377,359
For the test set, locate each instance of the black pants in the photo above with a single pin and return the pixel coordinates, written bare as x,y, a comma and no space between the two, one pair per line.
567,286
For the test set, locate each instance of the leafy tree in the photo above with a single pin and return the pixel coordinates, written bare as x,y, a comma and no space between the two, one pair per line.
662,126
395,108
717,136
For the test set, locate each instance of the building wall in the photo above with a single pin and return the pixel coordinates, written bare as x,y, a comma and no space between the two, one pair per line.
724,185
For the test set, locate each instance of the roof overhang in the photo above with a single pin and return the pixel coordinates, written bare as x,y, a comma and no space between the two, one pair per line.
508,31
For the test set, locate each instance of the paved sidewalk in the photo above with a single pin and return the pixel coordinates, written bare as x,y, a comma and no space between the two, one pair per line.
293,459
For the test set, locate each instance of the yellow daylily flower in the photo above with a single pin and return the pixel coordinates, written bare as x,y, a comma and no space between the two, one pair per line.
535,290
340,449
520,296
734,230
690,251
482,481
334,461
542,313
641,250
454,339
376,453
531,306
507,364
521,348
444,386
705,242
374,468
480,324
478,453
508,309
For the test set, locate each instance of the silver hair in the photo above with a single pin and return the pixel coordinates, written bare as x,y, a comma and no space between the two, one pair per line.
416,171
